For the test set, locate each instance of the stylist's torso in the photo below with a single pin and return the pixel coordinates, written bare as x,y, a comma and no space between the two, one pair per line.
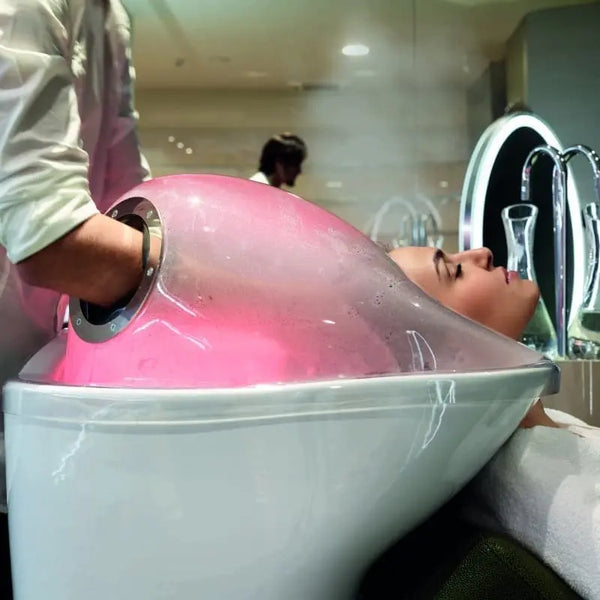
67,136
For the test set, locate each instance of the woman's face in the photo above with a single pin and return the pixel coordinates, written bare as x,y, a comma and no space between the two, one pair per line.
468,283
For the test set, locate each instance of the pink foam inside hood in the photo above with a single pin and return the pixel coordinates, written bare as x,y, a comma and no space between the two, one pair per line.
258,286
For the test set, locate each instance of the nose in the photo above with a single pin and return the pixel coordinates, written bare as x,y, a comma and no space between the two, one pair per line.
480,257
484,258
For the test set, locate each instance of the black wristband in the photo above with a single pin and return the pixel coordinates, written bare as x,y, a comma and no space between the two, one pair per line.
145,248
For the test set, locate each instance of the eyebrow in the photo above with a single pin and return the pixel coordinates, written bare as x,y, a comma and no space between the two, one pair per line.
438,256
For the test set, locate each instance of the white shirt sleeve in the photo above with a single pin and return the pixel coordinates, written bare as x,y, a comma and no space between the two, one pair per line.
260,177
44,191
127,166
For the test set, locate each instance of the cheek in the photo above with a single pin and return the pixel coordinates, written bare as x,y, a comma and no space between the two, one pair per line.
503,309
476,301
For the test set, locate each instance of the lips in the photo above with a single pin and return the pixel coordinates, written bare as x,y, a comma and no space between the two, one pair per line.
512,276
509,276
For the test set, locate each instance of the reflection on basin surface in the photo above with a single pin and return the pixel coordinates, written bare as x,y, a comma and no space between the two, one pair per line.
150,455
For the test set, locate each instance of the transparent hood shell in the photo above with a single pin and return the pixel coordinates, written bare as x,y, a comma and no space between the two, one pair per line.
257,286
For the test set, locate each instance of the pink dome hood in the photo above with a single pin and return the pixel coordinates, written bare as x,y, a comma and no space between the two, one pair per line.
258,286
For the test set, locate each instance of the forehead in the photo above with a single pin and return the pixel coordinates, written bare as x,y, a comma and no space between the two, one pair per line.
414,257
417,264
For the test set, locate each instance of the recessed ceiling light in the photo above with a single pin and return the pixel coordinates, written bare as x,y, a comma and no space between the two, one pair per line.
180,145
365,73
219,58
443,184
189,151
256,74
171,139
334,184
355,50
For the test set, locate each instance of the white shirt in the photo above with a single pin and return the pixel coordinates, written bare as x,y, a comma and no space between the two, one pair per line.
67,135
67,124
260,177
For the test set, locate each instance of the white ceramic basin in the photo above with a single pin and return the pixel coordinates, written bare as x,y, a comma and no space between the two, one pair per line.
274,406
270,492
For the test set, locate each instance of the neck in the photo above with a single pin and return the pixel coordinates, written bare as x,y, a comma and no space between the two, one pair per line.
274,180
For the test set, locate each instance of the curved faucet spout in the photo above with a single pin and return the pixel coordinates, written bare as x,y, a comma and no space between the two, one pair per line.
559,207
531,159
432,232
592,158
384,208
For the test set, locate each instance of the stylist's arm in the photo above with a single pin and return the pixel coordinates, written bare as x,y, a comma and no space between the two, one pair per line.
52,118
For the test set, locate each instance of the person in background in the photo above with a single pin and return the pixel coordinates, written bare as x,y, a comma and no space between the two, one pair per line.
68,149
281,160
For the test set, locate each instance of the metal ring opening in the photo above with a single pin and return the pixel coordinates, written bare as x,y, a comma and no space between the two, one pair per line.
94,323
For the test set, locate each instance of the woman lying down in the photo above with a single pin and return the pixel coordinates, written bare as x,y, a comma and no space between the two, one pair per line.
543,485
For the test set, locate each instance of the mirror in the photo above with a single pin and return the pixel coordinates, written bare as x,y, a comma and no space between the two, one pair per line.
216,79
493,181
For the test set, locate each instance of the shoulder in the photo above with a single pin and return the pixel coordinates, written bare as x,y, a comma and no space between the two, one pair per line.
37,24
37,11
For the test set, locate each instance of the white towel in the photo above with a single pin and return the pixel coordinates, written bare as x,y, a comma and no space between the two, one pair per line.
543,489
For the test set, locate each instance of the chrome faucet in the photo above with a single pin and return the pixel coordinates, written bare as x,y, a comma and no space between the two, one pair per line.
407,231
591,212
559,208
430,229
419,236
593,159
385,207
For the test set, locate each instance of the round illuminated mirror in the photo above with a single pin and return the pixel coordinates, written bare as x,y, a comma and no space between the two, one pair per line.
493,181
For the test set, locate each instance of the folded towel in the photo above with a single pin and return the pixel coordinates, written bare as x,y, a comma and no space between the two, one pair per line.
543,489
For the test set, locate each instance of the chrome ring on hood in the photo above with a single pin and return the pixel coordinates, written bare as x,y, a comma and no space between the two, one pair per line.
95,324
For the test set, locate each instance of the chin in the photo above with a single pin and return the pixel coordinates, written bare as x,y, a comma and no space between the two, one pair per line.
533,303
533,290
